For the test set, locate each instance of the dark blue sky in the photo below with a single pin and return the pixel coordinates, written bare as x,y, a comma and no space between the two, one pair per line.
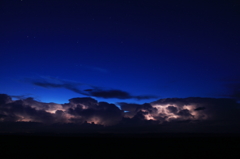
163,66
156,48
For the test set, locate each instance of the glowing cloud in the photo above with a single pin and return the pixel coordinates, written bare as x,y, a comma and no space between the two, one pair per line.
87,110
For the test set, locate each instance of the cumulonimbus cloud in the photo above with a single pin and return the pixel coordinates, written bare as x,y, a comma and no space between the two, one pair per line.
191,112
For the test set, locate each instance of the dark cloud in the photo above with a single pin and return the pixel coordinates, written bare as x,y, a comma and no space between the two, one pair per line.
133,109
129,106
90,110
4,99
211,108
144,97
172,109
51,82
172,114
68,86
185,113
110,94
18,111
199,108
93,91
114,93
87,101
178,101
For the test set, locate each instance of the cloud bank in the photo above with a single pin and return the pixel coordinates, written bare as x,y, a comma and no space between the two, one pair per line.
163,115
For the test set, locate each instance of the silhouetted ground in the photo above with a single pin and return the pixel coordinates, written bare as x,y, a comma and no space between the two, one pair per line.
148,145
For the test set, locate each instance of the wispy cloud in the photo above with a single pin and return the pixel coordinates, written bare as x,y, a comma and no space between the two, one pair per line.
93,91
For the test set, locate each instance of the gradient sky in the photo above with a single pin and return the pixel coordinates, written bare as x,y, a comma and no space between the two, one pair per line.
119,51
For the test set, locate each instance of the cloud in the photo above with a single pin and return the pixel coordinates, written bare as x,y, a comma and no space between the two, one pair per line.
78,110
4,99
86,101
93,91
101,113
190,110
110,94
114,93
199,108
170,114
185,113
50,82
172,109
18,111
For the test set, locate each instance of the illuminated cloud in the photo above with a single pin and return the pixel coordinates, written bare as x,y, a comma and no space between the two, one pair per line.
88,109
185,109
169,113
17,111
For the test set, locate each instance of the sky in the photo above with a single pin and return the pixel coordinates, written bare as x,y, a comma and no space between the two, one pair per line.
120,60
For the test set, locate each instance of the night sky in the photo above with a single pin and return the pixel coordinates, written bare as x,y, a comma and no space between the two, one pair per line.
120,64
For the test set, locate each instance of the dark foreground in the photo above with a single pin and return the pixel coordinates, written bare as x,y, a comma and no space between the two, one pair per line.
94,145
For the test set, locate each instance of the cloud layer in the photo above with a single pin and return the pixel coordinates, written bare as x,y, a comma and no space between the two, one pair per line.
170,114
93,91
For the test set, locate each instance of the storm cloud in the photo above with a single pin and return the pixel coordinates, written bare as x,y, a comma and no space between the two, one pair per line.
170,114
